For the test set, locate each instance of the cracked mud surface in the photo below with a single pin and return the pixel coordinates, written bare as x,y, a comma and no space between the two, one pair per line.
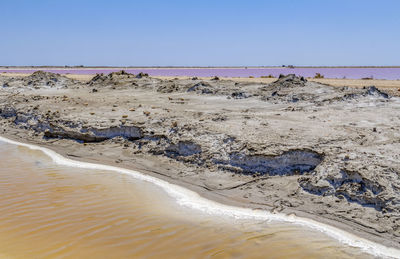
294,146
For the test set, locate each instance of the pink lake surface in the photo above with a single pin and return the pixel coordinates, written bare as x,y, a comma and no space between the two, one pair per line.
392,73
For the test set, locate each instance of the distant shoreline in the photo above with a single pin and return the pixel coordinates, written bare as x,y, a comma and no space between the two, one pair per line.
185,67
367,73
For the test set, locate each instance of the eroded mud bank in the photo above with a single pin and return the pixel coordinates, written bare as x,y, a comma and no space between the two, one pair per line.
291,146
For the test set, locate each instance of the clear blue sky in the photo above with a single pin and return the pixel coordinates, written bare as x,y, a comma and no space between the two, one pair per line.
204,32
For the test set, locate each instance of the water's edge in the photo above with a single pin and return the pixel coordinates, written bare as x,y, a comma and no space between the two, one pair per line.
388,73
191,199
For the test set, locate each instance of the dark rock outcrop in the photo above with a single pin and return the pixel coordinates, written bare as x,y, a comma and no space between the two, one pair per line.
42,79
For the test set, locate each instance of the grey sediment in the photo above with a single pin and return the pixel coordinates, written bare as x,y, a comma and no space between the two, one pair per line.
292,146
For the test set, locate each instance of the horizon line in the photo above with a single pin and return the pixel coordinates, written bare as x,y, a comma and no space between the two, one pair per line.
203,67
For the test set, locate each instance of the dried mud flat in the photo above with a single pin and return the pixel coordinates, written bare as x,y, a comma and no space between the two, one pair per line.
291,146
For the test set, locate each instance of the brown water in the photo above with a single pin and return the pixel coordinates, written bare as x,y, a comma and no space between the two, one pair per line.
52,211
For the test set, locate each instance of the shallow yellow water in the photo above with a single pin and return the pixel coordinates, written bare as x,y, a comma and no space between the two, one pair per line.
51,211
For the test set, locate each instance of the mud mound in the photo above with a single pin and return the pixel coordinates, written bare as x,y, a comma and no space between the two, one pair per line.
112,78
169,87
357,94
42,79
97,78
120,75
373,91
289,88
141,75
202,88
293,89
288,81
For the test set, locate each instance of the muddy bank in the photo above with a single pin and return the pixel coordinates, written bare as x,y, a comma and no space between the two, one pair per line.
293,145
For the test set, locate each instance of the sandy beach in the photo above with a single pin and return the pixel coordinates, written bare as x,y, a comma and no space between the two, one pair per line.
325,149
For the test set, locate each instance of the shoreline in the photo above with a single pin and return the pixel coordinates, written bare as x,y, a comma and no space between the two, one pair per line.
183,67
316,73
169,117
189,198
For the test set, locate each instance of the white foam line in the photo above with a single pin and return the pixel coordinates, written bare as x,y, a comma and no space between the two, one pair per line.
193,200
